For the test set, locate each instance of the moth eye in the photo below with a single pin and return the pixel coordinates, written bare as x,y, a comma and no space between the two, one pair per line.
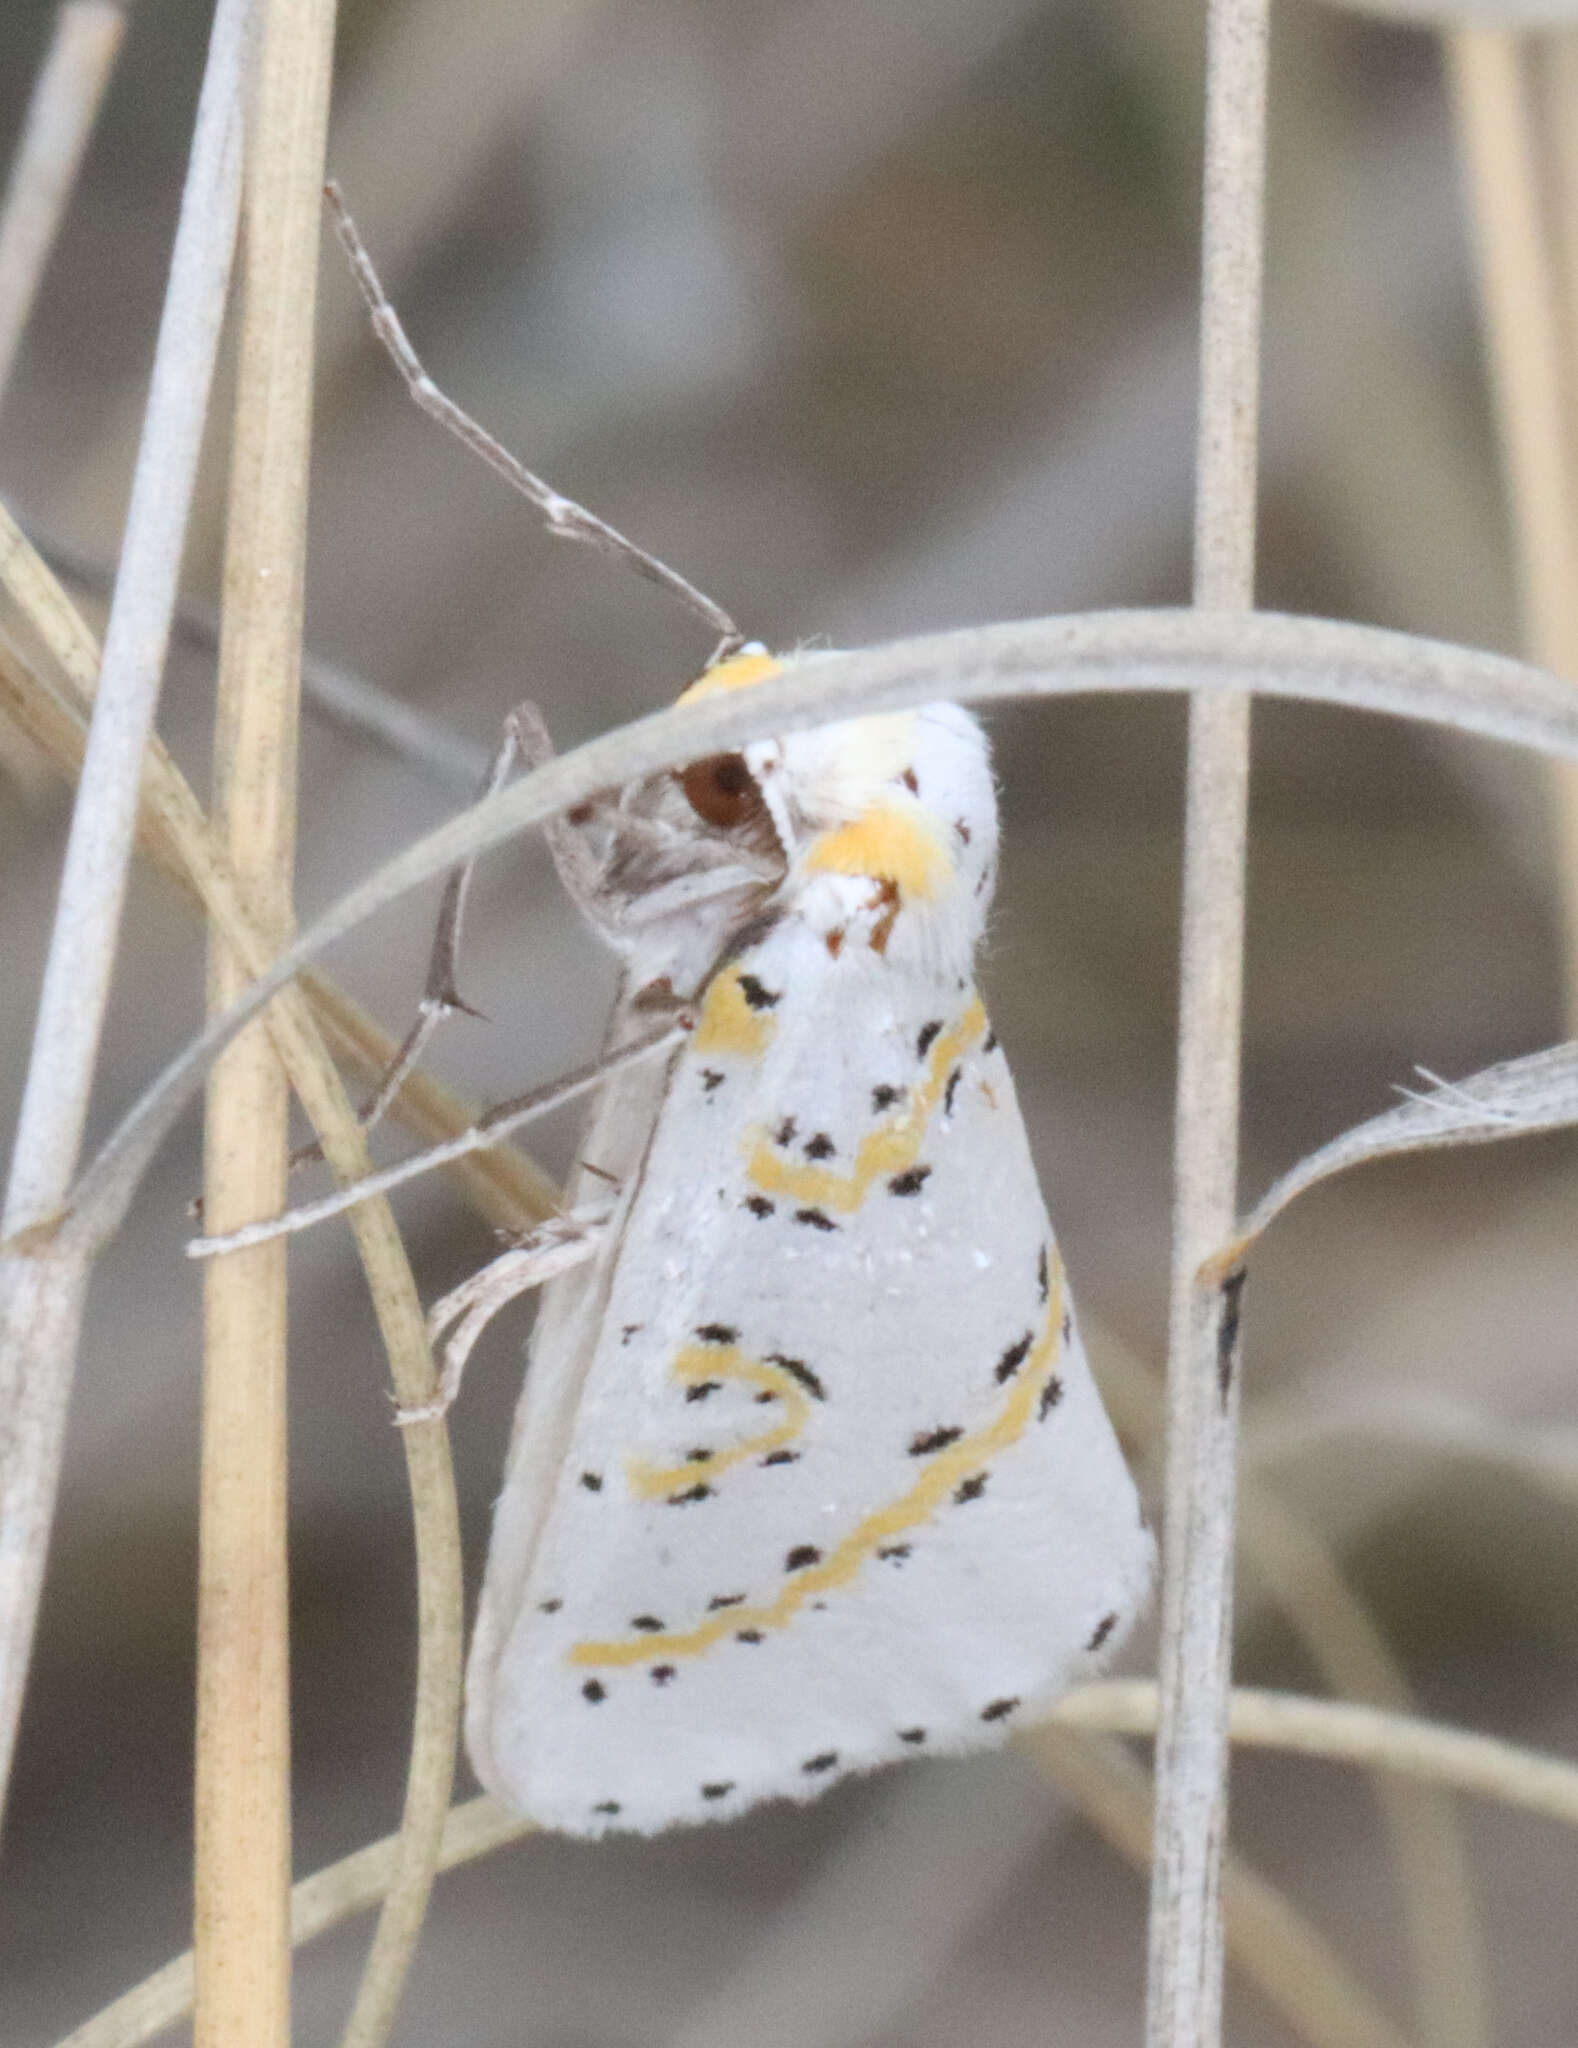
721,790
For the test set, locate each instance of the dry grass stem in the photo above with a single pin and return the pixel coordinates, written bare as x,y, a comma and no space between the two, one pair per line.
60,117
1281,1555
1184,1975
1511,137
1318,659
241,1873
36,1358
1512,1099
1290,1963
1399,1743
504,1187
489,1130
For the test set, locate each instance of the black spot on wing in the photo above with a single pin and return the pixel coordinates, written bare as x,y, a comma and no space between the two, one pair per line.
825,1761
990,1043
797,1369
691,1493
926,1037
606,1806
912,1735
725,1600
594,1690
718,1791
628,1332
1013,1358
748,1635
759,1205
710,1079
592,1481
784,1135
781,1458
549,1606
1051,1394
1043,1277
820,1147
931,1440
757,996
999,1710
802,1555
910,1182
647,1622
699,1456
971,1488
1101,1631
817,1219
702,1389
717,1333
893,1553
951,1090
884,1096
661,1674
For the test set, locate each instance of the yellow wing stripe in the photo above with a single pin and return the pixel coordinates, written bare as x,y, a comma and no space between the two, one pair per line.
889,1149
699,1362
728,1024
943,1473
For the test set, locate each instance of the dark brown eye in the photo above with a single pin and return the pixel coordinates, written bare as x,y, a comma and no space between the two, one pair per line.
722,790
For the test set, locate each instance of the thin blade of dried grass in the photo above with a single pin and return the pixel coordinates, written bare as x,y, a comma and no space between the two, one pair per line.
1360,667
1425,1750
504,1186
36,1361
60,117
1512,1099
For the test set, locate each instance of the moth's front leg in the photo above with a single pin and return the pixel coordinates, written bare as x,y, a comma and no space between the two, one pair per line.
465,1312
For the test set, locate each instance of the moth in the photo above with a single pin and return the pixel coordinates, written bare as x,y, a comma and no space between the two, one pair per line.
809,1473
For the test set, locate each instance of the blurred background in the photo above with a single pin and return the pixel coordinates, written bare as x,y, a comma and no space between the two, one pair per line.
871,316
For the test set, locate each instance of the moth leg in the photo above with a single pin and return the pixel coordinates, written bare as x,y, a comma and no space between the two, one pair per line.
465,1312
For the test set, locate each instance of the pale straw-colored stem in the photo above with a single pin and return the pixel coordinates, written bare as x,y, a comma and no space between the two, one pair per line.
1184,1977
1426,1751
1323,660
241,1872
61,112
1517,161
38,1321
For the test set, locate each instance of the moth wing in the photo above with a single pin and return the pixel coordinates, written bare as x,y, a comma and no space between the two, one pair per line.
833,1485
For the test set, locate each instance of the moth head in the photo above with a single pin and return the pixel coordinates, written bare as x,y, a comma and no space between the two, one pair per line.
887,824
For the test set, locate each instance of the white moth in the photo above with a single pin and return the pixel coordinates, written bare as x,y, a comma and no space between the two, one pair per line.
809,1473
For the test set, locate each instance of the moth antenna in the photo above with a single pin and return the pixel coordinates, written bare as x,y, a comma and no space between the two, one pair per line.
562,515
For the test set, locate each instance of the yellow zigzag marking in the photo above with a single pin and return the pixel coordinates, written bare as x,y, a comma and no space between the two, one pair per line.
699,1362
942,1475
887,846
889,1149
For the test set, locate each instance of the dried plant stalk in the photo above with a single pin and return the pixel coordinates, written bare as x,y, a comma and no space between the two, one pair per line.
1322,660
1302,1577
61,113
503,1186
241,1907
1517,159
1184,1976
41,1293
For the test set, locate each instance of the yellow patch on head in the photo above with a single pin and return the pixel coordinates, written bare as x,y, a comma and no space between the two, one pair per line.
728,1022
888,846
739,672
